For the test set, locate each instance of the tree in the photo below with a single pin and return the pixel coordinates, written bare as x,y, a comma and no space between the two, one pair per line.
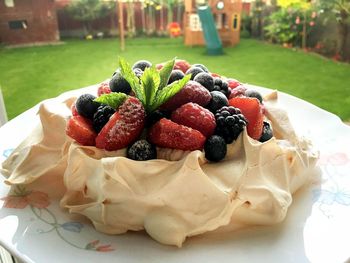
341,10
87,11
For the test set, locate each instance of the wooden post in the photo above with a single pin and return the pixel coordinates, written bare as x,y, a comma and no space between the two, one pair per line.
121,25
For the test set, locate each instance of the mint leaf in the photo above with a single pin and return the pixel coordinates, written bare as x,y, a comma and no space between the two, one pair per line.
166,93
114,99
165,73
133,80
150,81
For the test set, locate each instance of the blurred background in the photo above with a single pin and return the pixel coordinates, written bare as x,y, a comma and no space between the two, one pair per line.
296,46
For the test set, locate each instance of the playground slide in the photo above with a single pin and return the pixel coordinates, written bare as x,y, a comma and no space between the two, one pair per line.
211,35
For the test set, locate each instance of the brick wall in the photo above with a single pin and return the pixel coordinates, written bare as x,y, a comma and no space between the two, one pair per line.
38,19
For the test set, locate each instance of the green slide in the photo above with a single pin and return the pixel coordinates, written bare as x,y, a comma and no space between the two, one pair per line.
211,36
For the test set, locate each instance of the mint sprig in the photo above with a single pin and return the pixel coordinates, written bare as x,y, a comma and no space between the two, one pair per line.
153,90
114,99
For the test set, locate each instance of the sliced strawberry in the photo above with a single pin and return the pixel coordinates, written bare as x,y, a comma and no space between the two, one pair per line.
81,130
196,117
168,134
251,109
124,127
103,88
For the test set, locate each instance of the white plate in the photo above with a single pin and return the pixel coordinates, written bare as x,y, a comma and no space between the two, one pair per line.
317,227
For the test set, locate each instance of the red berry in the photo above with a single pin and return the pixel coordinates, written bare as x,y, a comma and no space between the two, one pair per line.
233,83
74,110
168,134
124,126
103,88
191,92
159,66
182,65
237,91
251,109
215,75
195,116
81,130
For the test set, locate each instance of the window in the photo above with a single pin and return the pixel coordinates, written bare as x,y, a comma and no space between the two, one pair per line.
18,24
9,3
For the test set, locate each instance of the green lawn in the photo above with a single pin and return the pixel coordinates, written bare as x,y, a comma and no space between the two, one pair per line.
29,75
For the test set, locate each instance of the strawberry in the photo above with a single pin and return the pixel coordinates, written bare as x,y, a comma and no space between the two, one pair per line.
103,88
251,109
233,83
168,134
74,110
81,130
191,92
196,117
124,126
182,65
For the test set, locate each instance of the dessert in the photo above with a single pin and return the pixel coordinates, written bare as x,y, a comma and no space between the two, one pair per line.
175,159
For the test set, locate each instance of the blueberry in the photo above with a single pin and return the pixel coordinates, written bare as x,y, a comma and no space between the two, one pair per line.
253,94
215,148
86,106
138,72
142,150
142,64
119,84
206,80
101,117
194,71
218,81
204,68
175,75
217,101
267,133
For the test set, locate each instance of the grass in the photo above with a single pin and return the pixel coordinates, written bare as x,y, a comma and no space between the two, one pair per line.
30,75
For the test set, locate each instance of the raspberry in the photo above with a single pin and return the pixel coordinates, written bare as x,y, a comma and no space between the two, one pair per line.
191,92
238,91
86,106
233,83
182,65
168,134
101,117
196,117
142,64
251,109
142,150
103,88
229,123
215,148
175,75
124,126
80,129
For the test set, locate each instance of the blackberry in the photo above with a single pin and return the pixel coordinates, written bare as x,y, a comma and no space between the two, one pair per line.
194,71
230,122
86,106
201,66
253,94
142,64
142,150
206,80
217,101
155,116
175,75
118,83
267,133
101,117
215,148
222,86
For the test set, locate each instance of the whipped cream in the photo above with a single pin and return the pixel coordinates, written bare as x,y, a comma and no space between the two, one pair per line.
180,194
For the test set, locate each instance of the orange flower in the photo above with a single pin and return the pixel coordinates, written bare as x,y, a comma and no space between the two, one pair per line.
33,198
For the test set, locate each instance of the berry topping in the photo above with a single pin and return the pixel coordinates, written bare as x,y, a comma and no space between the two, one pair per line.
218,100
253,94
182,65
119,84
168,134
124,126
74,110
233,83
194,71
196,117
238,91
80,129
206,80
103,88
142,150
155,116
86,106
251,109
175,75
229,123
267,133
215,148
142,64
204,68
101,117
191,92
222,86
